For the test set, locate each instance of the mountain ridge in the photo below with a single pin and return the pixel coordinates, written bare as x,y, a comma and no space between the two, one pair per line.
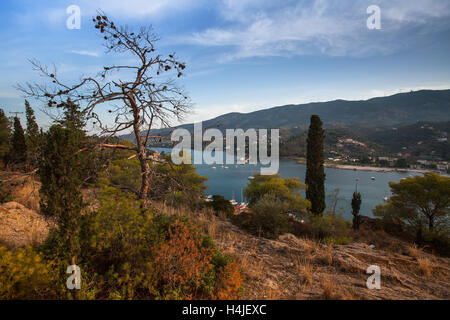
398,109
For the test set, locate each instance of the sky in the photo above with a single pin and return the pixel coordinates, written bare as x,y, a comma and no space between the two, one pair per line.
241,55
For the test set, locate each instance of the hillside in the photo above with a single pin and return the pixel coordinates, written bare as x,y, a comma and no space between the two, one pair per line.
402,108
293,144
418,139
291,267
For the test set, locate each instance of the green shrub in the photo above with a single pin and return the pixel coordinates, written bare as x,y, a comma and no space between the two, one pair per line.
5,194
220,204
440,243
327,229
25,275
126,253
148,255
267,218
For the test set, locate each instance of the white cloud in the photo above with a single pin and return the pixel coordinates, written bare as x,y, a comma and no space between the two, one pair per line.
86,53
336,28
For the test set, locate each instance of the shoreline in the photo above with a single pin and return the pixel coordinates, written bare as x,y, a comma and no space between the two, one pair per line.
374,169
302,161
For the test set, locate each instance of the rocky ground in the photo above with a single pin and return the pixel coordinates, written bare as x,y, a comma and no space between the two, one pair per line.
20,226
293,268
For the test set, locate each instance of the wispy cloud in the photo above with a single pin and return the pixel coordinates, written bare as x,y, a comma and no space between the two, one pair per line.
335,28
86,53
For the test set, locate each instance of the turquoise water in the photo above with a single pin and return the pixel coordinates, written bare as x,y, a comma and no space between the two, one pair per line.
231,181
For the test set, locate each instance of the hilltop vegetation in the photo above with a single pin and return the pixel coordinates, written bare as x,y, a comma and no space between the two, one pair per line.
421,139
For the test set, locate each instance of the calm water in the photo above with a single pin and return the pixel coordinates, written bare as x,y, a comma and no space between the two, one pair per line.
231,182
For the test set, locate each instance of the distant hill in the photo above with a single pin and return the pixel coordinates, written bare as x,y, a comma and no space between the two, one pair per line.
398,109
420,139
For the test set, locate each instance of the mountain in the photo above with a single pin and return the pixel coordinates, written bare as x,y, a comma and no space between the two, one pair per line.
398,109
420,139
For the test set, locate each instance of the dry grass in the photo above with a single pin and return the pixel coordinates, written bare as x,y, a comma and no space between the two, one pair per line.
414,251
307,272
425,267
328,284
273,293
304,268
326,255
349,293
311,247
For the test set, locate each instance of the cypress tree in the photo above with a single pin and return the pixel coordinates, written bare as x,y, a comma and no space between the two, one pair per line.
315,174
5,137
33,136
60,191
356,205
19,146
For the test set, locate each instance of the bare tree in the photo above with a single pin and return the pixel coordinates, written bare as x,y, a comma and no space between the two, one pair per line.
137,94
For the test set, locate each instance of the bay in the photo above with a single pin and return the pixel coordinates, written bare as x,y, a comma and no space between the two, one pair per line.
229,180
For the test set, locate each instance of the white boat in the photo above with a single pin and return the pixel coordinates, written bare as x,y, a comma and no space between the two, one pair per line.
213,167
373,178
225,167
251,178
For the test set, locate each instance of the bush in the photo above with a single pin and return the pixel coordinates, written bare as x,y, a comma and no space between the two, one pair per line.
178,185
25,275
5,194
220,204
267,218
327,229
148,255
439,243
126,253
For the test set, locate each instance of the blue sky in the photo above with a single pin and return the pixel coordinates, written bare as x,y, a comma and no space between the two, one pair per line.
242,55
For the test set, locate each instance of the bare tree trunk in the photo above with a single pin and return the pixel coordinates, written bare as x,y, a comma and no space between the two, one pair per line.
431,223
142,156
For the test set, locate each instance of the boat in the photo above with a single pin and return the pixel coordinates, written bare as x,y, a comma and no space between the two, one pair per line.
373,178
214,168
225,167
251,178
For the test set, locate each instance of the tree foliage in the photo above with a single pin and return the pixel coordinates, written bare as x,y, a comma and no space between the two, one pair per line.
220,204
60,191
19,146
33,137
420,200
315,174
175,184
5,137
285,190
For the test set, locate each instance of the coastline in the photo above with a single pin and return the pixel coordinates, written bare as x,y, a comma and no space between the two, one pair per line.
374,169
362,168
